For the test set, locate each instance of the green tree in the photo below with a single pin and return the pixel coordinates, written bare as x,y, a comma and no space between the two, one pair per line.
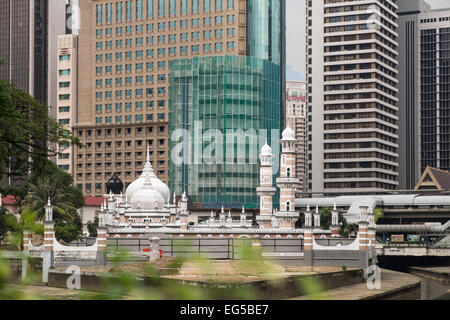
28,135
378,214
92,227
4,228
69,230
326,219
347,229
57,186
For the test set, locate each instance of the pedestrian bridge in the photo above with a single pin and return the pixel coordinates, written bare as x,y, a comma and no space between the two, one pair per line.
412,249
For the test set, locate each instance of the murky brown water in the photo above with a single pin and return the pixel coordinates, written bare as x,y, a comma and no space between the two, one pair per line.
432,289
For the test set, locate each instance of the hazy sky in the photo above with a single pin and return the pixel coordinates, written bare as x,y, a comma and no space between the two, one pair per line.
295,31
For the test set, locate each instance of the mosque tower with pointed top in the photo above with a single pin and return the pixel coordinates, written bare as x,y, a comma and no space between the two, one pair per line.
266,190
287,181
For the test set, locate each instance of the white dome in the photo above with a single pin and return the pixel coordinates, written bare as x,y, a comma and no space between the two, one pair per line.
157,184
266,150
147,198
288,134
135,186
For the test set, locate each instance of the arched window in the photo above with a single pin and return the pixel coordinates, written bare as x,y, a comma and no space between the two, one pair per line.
288,172
288,206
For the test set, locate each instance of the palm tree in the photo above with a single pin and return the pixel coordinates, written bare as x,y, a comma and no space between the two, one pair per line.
64,197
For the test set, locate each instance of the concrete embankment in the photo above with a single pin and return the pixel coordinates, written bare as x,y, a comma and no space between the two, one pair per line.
274,289
393,286
436,273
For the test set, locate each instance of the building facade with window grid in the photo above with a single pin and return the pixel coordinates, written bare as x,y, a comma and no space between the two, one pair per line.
352,69
125,48
236,100
424,90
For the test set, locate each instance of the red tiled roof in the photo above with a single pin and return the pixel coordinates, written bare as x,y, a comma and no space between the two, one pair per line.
11,200
94,201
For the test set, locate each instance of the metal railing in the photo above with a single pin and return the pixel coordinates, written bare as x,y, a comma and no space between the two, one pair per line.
116,245
409,244
334,242
83,242
212,248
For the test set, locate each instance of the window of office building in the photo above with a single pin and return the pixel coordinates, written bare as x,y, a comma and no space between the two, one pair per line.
207,5
129,13
109,8
99,13
119,12
161,8
139,9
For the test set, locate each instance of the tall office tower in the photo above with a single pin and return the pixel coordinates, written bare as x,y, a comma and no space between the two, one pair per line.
28,40
66,107
352,60
296,120
424,89
224,108
125,48
23,45
59,16
228,93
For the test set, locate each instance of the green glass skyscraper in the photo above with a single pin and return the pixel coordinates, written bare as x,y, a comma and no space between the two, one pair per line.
223,109
215,97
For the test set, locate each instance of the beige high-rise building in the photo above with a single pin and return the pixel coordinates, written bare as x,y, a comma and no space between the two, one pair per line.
66,88
125,48
352,71
296,120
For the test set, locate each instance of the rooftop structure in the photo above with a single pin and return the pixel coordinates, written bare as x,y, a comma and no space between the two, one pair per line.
434,179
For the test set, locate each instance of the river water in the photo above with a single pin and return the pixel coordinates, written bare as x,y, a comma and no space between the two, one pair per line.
431,289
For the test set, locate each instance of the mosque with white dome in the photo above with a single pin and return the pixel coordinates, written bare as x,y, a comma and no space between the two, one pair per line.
147,207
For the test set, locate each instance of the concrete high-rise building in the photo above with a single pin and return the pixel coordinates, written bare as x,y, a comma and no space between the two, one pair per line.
352,59
296,120
29,32
424,98
58,17
24,45
125,49
67,85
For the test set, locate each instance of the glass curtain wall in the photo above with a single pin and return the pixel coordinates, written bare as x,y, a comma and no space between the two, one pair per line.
266,37
223,93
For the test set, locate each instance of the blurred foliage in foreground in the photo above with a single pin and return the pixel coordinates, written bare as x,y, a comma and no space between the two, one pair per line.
153,283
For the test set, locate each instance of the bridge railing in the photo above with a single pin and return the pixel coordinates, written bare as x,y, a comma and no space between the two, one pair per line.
416,244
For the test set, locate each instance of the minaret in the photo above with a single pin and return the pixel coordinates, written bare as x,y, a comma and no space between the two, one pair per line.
212,219
363,225
183,212
371,229
49,236
229,220
287,181
243,218
111,207
335,227
317,218
266,190
222,218
308,230
173,209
